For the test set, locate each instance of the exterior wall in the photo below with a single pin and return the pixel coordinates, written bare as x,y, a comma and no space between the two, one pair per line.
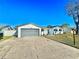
9,32
58,32
73,32
19,32
67,30
28,26
4,29
52,32
45,32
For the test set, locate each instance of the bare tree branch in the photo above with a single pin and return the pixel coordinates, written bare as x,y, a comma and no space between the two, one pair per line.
72,9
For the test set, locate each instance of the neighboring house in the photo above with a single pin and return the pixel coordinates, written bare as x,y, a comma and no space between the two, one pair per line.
56,30
44,31
28,30
67,30
73,31
7,31
53,30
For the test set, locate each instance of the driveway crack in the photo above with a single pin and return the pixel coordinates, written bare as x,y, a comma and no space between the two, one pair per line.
6,52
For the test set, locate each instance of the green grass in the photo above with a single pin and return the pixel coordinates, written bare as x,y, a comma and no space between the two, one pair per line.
66,39
7,37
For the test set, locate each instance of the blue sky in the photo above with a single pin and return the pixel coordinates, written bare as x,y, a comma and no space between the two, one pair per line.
41,12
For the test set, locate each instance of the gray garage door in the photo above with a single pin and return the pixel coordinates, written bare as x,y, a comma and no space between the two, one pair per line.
29,32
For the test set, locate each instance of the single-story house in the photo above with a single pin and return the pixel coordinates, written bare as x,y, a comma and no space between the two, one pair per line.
28,30
7,30
56,30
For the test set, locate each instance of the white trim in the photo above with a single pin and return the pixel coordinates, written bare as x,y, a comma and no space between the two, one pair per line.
28,26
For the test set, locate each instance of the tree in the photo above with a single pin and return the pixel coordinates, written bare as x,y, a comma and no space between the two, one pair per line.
65,25
72,9
49,26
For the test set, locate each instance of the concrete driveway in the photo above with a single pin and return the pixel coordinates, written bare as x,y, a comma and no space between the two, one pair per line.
36,48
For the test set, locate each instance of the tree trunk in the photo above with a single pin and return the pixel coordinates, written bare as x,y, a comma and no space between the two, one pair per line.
77,26
77,29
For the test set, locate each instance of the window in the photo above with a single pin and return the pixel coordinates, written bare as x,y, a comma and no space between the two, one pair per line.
60,29
55,29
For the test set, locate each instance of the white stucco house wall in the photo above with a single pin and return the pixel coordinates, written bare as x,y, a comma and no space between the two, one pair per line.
8,31
56,30
45,31
28,30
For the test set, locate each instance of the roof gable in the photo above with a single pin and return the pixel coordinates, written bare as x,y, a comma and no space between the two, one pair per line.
29,26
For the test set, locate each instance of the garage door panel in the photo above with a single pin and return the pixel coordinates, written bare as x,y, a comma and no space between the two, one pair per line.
29,32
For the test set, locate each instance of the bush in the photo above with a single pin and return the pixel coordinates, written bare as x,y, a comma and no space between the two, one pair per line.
1,36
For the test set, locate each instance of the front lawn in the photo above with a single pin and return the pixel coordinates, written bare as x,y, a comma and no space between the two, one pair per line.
66,39
6,37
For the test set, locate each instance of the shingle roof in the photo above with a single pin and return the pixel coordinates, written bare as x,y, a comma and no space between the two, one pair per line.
27,24
6,27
